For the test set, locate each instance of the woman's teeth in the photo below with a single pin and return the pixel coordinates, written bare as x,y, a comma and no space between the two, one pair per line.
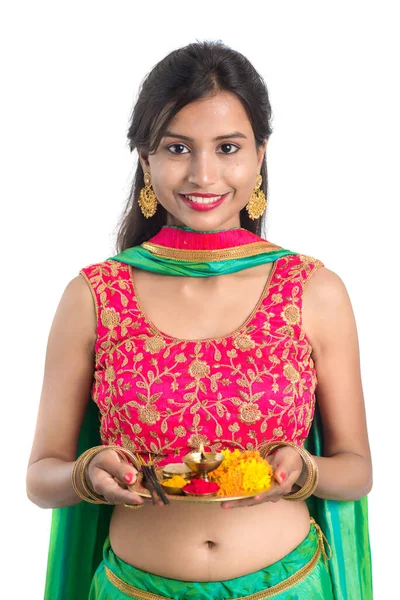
199,200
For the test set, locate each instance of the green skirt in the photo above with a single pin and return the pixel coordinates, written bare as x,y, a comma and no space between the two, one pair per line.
303,573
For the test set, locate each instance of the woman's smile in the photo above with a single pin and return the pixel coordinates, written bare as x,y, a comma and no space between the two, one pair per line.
203,202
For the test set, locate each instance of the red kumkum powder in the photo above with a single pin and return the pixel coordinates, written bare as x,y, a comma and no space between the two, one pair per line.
199,486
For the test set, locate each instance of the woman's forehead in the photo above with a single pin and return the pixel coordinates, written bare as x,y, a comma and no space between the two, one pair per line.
211,117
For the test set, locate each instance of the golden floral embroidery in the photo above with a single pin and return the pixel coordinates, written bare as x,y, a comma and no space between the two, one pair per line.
277,432
164,395
291,374
148,414
291,314
277,298
249,413
109,318
110,374
198,369
180,431
243,342
154,344
196,439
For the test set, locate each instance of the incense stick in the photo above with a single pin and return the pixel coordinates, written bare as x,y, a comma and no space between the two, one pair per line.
152,481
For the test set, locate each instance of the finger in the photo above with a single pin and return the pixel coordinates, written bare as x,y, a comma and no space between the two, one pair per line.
105,485
284,465
110,461
280,475
280,469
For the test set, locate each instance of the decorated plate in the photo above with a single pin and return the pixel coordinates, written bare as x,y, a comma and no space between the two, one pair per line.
142,491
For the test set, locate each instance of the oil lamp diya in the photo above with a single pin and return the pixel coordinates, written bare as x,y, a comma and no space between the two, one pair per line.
202,463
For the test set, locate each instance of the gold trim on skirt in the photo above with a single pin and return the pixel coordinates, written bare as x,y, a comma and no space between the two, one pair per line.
283,586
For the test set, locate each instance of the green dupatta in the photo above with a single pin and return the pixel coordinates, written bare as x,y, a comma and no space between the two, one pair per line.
78,532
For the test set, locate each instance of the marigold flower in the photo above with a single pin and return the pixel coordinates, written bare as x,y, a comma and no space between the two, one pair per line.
242,473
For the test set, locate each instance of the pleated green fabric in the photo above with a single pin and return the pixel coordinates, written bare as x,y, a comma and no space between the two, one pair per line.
345,525
316,585
143,259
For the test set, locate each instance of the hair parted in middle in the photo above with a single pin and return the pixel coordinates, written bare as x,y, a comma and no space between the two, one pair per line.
187,74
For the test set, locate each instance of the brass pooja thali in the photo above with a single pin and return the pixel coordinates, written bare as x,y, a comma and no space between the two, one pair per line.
194,469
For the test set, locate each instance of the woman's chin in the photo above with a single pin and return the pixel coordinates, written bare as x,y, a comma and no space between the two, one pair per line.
204,221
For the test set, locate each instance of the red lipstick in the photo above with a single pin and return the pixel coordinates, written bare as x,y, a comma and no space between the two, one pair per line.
203,206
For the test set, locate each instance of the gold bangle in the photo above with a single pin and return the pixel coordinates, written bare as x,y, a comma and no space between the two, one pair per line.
91,497
79,470
96,498
121,451
311,482
75,471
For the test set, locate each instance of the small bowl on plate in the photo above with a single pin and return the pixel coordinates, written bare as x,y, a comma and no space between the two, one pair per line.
181,469
168,489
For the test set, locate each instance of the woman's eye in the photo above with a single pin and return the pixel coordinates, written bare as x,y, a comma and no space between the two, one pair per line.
232,149
180,147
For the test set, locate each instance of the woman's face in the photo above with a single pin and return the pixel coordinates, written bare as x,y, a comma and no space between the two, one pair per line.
209,149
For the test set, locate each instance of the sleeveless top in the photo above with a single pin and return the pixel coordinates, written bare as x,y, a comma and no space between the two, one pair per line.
162,395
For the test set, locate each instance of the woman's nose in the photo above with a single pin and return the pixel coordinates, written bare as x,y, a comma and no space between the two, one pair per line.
204,170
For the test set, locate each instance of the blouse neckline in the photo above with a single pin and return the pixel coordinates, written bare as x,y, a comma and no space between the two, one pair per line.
162,334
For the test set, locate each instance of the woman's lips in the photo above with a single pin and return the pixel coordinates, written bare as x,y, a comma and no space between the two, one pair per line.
203,204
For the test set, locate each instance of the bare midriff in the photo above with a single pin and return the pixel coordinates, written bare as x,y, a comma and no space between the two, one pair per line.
204,542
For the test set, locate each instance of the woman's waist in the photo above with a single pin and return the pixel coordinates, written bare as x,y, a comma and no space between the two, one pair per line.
216,544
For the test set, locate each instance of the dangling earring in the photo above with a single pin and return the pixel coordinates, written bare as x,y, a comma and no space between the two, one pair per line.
257,203
147,198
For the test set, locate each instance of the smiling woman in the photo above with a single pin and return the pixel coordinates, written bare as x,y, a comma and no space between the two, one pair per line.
209,170
200,334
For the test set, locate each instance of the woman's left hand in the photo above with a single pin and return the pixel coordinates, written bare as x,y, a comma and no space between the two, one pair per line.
287,465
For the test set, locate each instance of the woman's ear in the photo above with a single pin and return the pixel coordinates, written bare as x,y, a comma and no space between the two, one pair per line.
261,151
144,160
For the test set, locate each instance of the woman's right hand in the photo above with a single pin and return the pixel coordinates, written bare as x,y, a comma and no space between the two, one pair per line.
108,475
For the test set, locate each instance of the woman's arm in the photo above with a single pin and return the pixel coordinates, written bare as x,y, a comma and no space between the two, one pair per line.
345,470
66,389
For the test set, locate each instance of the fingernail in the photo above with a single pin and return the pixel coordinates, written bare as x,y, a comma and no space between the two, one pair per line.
128,477
226,506
282,476
257,497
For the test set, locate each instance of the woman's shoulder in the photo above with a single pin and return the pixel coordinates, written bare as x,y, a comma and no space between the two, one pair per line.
322,288
322,284
297,268
108,267
106,273
326,307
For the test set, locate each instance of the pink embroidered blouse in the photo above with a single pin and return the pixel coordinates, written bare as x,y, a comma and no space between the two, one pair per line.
164,395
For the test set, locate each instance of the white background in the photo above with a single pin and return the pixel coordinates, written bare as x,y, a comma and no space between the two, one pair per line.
70,74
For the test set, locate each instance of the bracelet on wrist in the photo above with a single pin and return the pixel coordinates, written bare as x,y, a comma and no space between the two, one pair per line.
79,472
311,481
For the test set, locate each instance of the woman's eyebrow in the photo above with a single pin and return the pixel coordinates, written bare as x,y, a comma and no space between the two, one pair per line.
235,134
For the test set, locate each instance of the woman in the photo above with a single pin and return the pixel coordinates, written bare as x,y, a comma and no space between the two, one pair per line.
201,331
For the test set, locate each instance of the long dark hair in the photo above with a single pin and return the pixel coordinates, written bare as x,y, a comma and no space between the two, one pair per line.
187,74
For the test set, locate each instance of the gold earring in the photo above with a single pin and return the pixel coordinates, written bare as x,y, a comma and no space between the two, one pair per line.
147,198
257,203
